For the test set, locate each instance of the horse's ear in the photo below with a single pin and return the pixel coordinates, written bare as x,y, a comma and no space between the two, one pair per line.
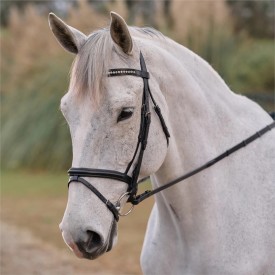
68,37
120,33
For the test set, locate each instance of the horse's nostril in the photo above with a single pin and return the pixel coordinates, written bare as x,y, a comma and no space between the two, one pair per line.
94,240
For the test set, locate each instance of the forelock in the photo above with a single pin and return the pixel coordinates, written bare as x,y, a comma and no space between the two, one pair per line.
91,64
93,61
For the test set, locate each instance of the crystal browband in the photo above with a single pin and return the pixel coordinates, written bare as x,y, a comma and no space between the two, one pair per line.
125,71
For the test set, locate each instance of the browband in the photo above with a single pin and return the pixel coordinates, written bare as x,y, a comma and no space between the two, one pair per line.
133,72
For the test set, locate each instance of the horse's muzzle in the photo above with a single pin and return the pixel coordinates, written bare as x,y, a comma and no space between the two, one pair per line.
90,245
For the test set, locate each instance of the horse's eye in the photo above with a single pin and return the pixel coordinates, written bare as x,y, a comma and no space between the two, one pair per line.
125,114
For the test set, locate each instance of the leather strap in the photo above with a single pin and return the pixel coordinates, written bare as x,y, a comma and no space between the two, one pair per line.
143,73
109,205
99,173
235,148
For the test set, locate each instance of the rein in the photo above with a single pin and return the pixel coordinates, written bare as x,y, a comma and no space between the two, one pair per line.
77,174
149,193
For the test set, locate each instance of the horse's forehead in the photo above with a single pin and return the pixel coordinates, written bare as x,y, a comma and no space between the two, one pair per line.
115,91
123,87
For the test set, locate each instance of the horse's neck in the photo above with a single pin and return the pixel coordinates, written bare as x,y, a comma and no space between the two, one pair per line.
205,119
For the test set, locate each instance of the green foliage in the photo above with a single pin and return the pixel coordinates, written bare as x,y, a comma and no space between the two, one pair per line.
215,44
34,133
247,65
30,185
254,17
251,67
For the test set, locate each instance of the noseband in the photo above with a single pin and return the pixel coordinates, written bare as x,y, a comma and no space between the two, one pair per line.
77,174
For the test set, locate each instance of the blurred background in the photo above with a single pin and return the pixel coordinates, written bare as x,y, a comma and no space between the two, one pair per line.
235,37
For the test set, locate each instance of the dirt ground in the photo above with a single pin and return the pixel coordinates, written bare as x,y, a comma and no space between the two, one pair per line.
32,206
24,254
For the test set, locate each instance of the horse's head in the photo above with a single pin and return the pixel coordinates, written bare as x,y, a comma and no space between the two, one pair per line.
104,117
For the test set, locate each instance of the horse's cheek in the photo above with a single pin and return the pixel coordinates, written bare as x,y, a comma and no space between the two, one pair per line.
125,148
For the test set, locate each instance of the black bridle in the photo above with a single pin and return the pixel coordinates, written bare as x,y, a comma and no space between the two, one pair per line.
77,174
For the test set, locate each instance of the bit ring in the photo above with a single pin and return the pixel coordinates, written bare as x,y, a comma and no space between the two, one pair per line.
118,206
